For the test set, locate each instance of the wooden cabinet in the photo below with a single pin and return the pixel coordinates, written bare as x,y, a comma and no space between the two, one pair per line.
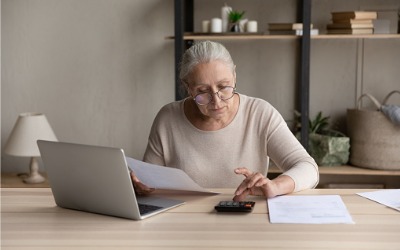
351,177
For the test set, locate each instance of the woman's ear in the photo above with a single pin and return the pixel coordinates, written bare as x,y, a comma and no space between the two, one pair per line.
234,74
186,88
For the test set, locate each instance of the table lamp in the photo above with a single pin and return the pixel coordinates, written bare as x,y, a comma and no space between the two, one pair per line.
29,128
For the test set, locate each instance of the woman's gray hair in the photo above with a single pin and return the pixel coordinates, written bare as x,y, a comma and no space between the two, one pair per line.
203,52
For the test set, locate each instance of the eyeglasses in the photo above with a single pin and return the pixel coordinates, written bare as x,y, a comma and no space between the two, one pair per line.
224,94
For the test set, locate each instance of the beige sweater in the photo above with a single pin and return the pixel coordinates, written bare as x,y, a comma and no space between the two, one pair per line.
257,133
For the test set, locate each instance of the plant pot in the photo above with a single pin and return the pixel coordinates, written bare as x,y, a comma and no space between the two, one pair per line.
235,27
329,150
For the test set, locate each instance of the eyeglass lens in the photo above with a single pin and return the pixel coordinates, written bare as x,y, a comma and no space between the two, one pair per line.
224,94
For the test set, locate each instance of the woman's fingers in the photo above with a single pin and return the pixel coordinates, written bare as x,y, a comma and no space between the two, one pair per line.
242,195
249,182
254,184
140,188
243,171
254,179
243,186
134,177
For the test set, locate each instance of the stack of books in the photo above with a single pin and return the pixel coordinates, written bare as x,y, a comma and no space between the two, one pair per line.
352,22
289,29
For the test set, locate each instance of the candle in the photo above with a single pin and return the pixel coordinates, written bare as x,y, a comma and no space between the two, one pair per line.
216,25
251,26
206,26
225,17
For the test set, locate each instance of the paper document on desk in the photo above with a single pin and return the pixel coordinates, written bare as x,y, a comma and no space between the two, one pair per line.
308,209
161,177
387,197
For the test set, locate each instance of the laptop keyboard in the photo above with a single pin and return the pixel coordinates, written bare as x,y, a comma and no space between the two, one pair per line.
145,208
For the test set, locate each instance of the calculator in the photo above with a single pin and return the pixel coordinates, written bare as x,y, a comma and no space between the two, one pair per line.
235,206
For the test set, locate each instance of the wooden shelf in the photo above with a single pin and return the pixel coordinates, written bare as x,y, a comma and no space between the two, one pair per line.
13,180
261,36
351,177
347,170
232,36
373,36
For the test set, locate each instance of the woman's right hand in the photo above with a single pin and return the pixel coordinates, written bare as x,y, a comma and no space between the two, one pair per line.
140,188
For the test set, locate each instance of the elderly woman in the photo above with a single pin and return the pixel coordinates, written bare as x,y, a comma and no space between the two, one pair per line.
217,135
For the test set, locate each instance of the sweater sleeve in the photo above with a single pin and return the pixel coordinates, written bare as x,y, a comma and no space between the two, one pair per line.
287,152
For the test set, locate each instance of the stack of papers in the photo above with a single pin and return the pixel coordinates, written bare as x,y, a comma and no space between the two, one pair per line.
388,197
308,209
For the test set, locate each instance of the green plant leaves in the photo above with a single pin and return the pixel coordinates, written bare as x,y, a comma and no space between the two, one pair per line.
319,124
235,16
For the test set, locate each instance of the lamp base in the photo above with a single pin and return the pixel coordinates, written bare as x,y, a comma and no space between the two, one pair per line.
34,175
33,179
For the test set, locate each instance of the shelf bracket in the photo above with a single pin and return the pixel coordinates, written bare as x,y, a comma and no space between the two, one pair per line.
183,22
304,85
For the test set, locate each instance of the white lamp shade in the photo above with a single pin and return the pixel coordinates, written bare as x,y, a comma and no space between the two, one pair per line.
29,128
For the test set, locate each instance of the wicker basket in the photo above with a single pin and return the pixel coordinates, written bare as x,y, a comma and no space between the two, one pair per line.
374,139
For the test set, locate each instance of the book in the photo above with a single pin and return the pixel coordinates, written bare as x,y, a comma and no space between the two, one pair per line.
354,15
293,32
350,31
354,21
382,26
286,26
350,26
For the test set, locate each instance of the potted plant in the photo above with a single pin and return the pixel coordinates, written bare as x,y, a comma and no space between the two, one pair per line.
234,20
328,147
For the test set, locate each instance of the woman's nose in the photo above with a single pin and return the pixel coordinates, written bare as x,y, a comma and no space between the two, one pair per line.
215,97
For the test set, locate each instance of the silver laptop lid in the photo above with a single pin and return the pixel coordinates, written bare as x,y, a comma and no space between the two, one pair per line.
89,178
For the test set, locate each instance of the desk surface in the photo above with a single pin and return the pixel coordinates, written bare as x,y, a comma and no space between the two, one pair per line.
31,220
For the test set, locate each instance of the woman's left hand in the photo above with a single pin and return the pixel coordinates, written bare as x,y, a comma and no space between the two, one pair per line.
259,184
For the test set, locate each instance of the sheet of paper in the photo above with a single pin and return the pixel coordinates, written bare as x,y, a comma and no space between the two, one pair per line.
308,209
161,177
387,197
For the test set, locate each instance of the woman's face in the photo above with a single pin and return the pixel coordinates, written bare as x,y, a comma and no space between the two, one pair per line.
210,78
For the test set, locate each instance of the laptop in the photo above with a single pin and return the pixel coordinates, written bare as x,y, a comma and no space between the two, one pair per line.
96,179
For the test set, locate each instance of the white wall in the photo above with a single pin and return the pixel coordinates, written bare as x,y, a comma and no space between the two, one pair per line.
101,69
98,69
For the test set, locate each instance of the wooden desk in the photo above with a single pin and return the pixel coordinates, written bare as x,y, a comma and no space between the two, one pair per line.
31,220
